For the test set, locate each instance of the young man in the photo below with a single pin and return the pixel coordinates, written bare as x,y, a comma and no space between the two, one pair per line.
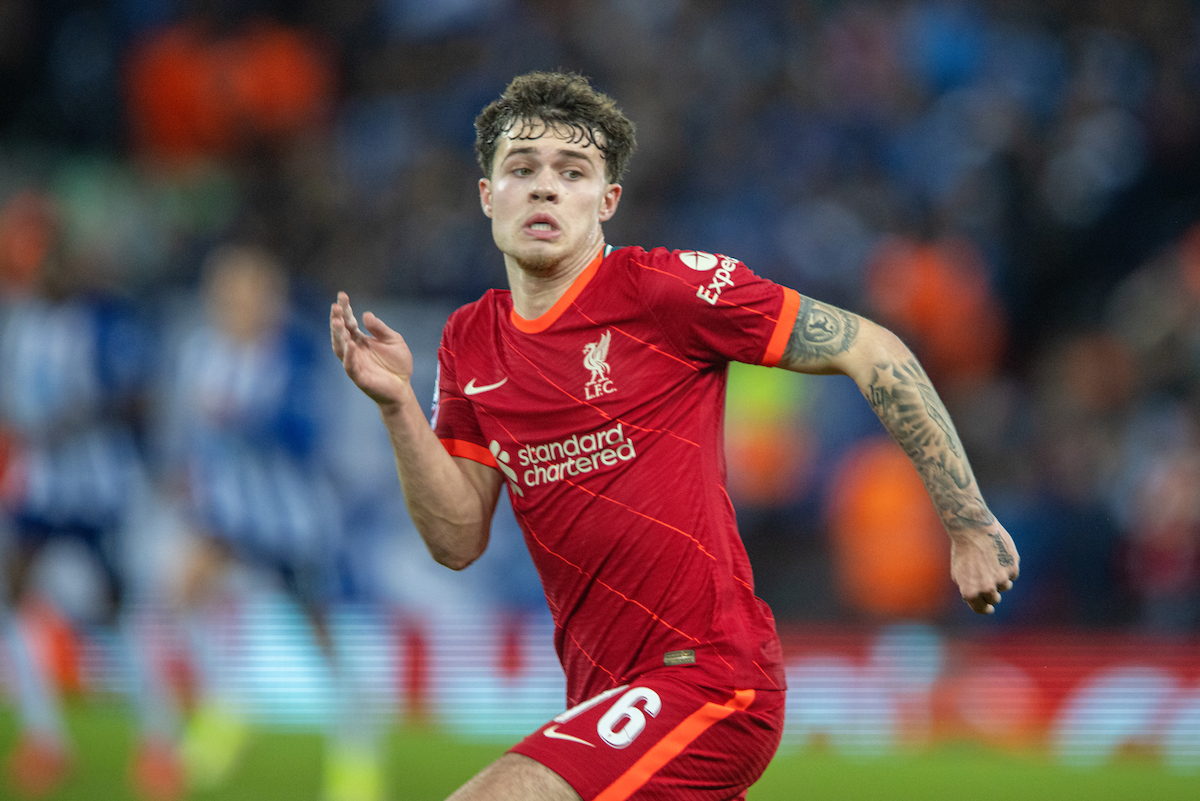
594,389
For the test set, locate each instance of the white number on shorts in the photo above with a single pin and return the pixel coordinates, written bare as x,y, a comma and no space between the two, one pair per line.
623,721
579,709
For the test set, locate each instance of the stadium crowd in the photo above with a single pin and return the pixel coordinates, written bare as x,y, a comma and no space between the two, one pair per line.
1013,186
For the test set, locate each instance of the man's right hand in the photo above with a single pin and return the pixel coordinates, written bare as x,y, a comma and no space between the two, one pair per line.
380,364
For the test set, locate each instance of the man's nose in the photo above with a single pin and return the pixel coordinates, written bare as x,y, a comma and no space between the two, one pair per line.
545,187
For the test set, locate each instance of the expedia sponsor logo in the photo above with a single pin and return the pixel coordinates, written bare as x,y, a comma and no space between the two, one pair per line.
575,456
722,278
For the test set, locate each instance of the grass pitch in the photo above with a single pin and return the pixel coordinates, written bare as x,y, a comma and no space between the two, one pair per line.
427,765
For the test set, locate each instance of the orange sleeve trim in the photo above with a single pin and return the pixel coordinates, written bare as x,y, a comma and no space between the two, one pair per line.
541,323
670,746
783,328
469,450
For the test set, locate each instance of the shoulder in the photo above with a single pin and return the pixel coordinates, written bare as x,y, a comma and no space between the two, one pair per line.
681,276
494,305
635,259
487,307
642,267
689,266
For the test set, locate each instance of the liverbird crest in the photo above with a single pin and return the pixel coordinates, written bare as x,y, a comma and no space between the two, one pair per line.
595,357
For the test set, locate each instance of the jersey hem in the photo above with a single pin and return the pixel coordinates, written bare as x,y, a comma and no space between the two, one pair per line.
783,328
469,450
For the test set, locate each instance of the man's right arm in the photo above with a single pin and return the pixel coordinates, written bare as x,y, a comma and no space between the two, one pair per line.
451,500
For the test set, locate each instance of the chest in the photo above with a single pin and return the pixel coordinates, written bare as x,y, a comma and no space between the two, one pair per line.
49,357
577,377
227,382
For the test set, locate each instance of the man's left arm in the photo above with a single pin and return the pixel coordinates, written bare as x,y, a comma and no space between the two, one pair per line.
826,340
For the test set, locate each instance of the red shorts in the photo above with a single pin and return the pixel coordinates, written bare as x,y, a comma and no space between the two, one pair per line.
661,737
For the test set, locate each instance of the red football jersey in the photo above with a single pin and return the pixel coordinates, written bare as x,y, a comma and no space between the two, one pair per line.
606,417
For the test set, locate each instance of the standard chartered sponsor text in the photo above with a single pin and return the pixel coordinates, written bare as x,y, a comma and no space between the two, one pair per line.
575,456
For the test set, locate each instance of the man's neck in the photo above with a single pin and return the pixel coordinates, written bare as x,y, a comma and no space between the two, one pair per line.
534,292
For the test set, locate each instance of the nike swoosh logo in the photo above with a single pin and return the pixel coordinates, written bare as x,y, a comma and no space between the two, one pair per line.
471,389
554,734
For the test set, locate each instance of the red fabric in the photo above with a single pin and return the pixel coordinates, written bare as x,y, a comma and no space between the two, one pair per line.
677,741
607,424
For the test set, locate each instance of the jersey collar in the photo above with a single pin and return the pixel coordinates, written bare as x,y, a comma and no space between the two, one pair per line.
547,318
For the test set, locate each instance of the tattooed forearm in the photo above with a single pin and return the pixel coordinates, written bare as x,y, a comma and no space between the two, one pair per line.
915,416
821,331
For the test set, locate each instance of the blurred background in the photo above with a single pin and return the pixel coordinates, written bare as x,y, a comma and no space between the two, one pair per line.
203,535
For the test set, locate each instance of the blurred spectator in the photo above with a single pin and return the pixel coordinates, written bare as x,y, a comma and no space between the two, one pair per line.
1164,548
889,547
1155,314
28,228
197,94
1083,391
936,294
768,448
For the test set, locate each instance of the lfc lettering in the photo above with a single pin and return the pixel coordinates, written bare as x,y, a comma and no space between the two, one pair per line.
594,389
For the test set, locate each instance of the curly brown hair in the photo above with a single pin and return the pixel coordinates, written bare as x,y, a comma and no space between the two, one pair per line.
564,102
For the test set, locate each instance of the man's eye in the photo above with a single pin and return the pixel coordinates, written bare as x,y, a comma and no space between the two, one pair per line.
574,174
522,171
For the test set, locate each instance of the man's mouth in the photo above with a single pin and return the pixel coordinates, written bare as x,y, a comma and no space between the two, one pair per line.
542,226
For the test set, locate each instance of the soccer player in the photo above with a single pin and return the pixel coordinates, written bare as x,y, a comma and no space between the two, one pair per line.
593,390
75,361
245,438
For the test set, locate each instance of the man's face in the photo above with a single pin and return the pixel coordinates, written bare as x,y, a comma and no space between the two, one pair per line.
247,295
547,197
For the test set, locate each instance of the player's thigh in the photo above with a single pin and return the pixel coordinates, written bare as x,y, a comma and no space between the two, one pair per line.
18,565
514,777
662,737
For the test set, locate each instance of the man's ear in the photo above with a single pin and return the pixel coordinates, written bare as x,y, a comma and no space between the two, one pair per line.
608,203
485,196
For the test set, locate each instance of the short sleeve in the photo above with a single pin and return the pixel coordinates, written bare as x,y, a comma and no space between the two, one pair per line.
714,308
453,417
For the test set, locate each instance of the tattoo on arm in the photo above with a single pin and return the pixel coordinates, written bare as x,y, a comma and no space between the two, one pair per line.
903,397
821,331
